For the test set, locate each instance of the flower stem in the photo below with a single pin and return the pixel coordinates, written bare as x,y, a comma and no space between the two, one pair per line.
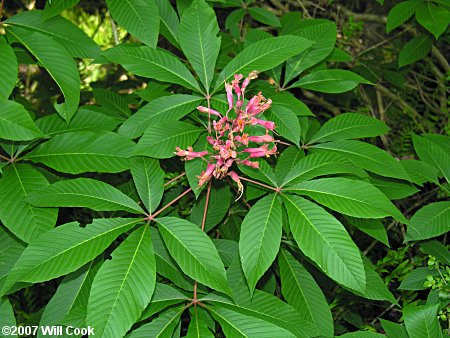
260,184
151,217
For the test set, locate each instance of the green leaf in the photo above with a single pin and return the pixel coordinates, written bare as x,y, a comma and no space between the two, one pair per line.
139,17
152,63
163,297
7,318
194,252
414,50
436,249
123,286
366,156
160,327
198,328
8,68
112,101
85,151
235,324
323,33
286,122
400,13
228,250
264,16
169,21
394,330
84,192
392,188
23,220
286,161
64,32
54,7
434,19
331,81
376,289
302,292
263,55
198,38
291,102
362,334
69,292
372,227
430,221
65,249
348,126
263,306
421,321
350,197
149,180
161,139
264,173
318,165
59,64
16,123
164,109
324,239
219,203
416,278
260,238
434,154
166,265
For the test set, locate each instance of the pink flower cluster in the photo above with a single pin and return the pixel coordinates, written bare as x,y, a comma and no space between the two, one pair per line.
229,139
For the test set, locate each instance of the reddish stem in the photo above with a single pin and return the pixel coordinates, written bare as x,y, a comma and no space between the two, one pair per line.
174,179
205,210
1,11
5,158
151,217
260,184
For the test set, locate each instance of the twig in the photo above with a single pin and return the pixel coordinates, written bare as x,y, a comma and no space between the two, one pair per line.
260,184
174,179
151,217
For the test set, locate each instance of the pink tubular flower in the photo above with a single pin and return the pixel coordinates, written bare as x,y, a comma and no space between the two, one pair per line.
253,75
190,154
208,110
266,124
206,175
230,99
261,139
235,84
236,178
264,153
250,164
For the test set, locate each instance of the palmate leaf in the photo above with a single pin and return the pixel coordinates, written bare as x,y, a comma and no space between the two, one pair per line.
264,306
197,34
72,38
286,122
394,329
260,238
332,81
302,292
84,192
163,109
139,17
430,221
7,317
152,63
323,33
112,101
160,327
286,161
372,227
414,50
400,13
198,328
263,55
22,219
65,249
8,68
324,239
163,297
16,123
58,62
54,7
366,156
436,249
85,151
235,324
416,278
421,321
194,252
123,286
161,139
348,126
318,165
434,19
148,178
264,173
351,197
